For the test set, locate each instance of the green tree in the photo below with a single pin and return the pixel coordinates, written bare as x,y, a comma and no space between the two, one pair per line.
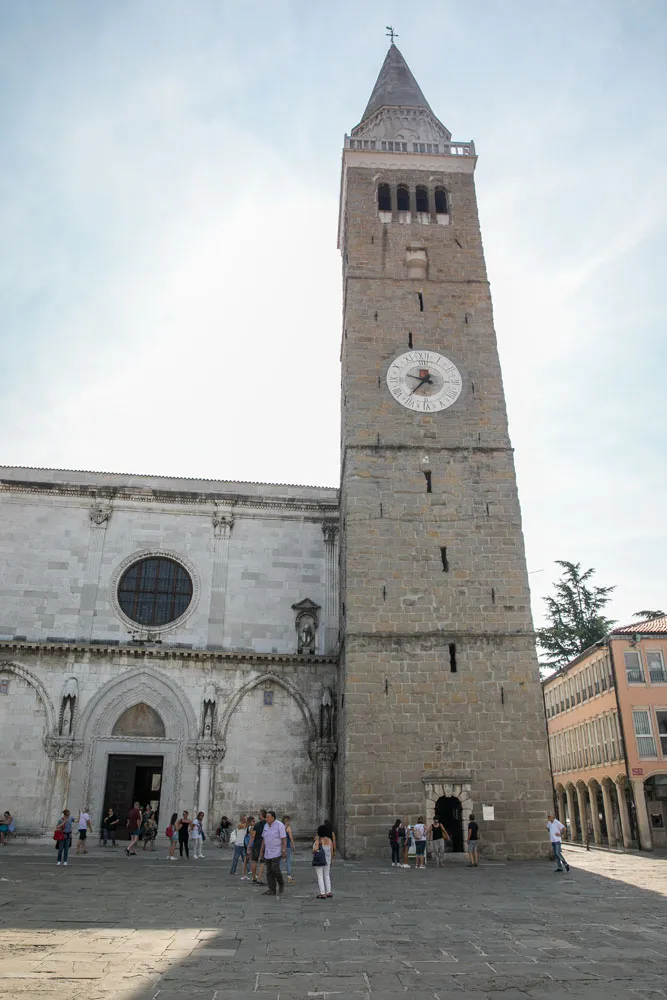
574,615
649,614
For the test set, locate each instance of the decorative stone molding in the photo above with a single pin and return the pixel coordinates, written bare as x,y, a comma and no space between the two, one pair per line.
99,514
306,621
147,632
259,681
11,667
60,748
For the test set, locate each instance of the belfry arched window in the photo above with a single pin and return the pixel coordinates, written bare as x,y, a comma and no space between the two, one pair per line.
384,198
402,198
441,207
421,199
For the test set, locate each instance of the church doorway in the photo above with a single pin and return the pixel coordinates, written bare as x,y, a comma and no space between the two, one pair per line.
132,779
449,812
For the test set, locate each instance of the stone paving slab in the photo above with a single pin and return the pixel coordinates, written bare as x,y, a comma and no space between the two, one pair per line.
140,928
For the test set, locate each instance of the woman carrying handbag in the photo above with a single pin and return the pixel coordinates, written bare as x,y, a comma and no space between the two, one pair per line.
63,837
322,856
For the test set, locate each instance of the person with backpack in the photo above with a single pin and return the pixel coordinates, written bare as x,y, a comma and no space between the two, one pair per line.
237,841
172,836
395,845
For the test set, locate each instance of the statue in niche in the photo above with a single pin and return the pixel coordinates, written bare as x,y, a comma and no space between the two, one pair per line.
208,714
67,706
306,620
307,638
326,716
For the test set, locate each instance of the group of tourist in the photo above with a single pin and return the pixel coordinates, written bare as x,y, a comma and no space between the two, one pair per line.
403,838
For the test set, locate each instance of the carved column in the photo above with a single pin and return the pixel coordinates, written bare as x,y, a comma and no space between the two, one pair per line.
595,811
99,515
623,810
583,818
608,813
329,639
207,754
643,822
222,529
571,813
62,751
325,754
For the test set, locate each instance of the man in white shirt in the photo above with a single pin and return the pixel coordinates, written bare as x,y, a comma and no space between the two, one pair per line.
555,828
85,827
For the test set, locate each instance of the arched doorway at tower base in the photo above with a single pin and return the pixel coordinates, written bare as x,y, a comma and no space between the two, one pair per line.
449,796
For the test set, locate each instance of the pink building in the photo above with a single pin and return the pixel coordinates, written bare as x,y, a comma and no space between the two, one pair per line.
607,724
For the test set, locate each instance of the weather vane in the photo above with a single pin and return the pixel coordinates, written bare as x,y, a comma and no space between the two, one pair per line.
391,33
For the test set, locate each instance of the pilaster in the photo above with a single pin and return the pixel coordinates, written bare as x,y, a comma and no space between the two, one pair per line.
222,529
99,515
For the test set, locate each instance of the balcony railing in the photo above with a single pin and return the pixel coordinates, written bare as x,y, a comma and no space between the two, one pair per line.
430,148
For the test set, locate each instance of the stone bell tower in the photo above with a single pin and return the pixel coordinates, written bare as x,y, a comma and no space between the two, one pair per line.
440,700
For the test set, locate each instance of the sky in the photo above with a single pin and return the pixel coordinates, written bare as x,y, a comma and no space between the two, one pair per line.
170,291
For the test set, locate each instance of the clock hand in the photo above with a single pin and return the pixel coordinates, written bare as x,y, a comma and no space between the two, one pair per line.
427,379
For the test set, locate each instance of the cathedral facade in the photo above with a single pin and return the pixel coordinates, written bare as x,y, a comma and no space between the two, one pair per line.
357,654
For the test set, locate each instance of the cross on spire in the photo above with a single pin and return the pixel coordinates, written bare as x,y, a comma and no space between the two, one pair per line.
391,33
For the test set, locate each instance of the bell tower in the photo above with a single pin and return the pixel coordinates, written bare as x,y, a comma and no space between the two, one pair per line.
440,699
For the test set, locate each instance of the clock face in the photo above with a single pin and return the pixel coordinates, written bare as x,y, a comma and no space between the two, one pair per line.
424,381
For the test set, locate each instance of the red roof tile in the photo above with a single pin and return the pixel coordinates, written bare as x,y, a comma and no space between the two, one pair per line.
650,626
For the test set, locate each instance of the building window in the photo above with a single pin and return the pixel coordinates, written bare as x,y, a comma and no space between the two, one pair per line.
268,697
612,736
155,591
421,199
4,686
661,716
402,198
440,201
642,723
596,672
633,667
656,666
384,198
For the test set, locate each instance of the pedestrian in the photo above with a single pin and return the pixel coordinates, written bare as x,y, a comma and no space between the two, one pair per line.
6,827
246,844
394,843
419,831
197,835
133,826
402,849
109,824
64,828
332,837
84,827
225,828
273,848
172,836
472,843
237,840
438,835
184,825
409,841
255,847
286,821
149,832
323,855
555,828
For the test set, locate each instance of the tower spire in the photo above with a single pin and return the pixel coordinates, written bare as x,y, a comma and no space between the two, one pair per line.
395,86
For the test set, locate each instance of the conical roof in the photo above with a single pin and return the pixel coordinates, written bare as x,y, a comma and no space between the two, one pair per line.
395,86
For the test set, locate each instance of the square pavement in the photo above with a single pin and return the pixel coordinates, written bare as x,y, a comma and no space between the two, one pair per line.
109,926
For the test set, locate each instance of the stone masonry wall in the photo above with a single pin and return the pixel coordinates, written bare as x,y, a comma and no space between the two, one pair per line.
410,610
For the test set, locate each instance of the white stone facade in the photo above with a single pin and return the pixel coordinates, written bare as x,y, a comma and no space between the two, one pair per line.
262,560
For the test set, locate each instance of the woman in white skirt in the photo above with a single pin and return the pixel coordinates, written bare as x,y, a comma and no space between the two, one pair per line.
322,840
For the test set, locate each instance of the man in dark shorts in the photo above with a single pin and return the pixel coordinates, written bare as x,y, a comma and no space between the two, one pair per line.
255,846
472,843
133,825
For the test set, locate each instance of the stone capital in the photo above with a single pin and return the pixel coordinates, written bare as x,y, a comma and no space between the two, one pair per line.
222,524
207,752
323,753
62,748
99,514
330,532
